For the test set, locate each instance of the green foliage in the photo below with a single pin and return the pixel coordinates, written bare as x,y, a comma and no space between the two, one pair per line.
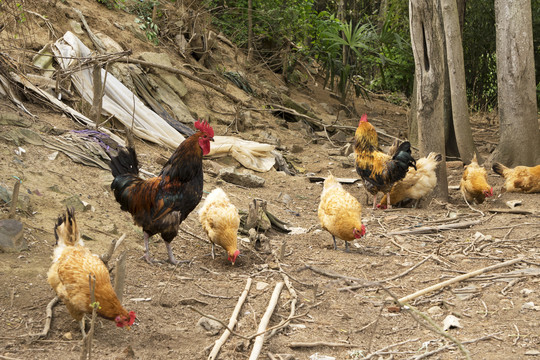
147,12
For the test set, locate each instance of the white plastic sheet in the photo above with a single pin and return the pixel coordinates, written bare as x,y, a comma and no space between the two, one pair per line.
120,102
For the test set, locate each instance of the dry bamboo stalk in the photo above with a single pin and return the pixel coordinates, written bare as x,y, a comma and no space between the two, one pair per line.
106,257
232,322
458,279
259,340
428,229
14,200
120,276
320,343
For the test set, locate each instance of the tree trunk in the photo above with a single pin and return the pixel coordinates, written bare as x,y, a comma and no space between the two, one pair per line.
250,30
519,134
428,51
456,72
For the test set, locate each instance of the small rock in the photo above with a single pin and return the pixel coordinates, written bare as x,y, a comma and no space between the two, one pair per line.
211,326
526,292
328,108
340,136
76,203
297,149
68,336
247,180
261,285
451,322
284,198
435,311
11,236
318,356
530,306
532,352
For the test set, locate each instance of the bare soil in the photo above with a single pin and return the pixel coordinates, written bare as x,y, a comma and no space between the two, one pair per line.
364,319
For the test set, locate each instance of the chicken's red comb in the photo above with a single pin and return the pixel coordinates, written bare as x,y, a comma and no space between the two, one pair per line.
363,118
204,127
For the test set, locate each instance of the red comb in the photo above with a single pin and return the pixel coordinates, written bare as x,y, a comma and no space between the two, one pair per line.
363,118
204,127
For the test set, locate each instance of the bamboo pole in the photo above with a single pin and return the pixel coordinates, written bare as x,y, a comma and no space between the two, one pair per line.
232,322
259,340
458,279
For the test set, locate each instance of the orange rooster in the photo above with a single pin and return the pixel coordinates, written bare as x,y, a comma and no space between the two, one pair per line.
379,170
161,203
473,185
219,219
340,213
417,183
69,276
519,179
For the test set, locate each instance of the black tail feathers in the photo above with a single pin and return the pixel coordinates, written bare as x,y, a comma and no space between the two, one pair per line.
403,155
498,168
125,163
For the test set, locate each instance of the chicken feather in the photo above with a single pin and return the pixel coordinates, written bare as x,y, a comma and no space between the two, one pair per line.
519,179
220,220
417,183
69,274
340,213
473,184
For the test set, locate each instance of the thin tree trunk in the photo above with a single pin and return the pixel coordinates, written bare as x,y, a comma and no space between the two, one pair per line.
428,51
456,72
519,134
250,30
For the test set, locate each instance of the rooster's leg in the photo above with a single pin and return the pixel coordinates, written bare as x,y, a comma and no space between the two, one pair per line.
374,201
388,203
335,245
346,246
146,255
172,259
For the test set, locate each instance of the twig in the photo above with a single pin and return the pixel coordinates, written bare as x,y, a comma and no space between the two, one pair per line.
48,318
185,74
219,321
87,340
433,326
8,358
380,351
232,322
430,229
120,276
115,243
458,279
14,199
195,236
168,280
517,336
513,211
449,346
259,340
470,207
297,344
354,287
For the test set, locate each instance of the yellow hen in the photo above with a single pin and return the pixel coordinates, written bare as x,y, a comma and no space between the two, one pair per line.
219,219
474,184
340,213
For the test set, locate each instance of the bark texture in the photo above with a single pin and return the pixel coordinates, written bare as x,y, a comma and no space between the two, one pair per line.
428,50
519,134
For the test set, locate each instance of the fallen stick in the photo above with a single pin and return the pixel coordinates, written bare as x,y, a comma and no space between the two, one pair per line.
457,279
115,243
259,340
48,318
372,283
449,346
378,352
232,322
430,229
185,74
320,343
513,211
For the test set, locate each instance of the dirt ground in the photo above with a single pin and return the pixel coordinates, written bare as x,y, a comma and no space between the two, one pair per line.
498,312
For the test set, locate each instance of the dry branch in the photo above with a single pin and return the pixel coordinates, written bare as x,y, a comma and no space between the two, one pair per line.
48,318
319,343
259,340
232,322
115,243
185,74
430,229
449,346
458,279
